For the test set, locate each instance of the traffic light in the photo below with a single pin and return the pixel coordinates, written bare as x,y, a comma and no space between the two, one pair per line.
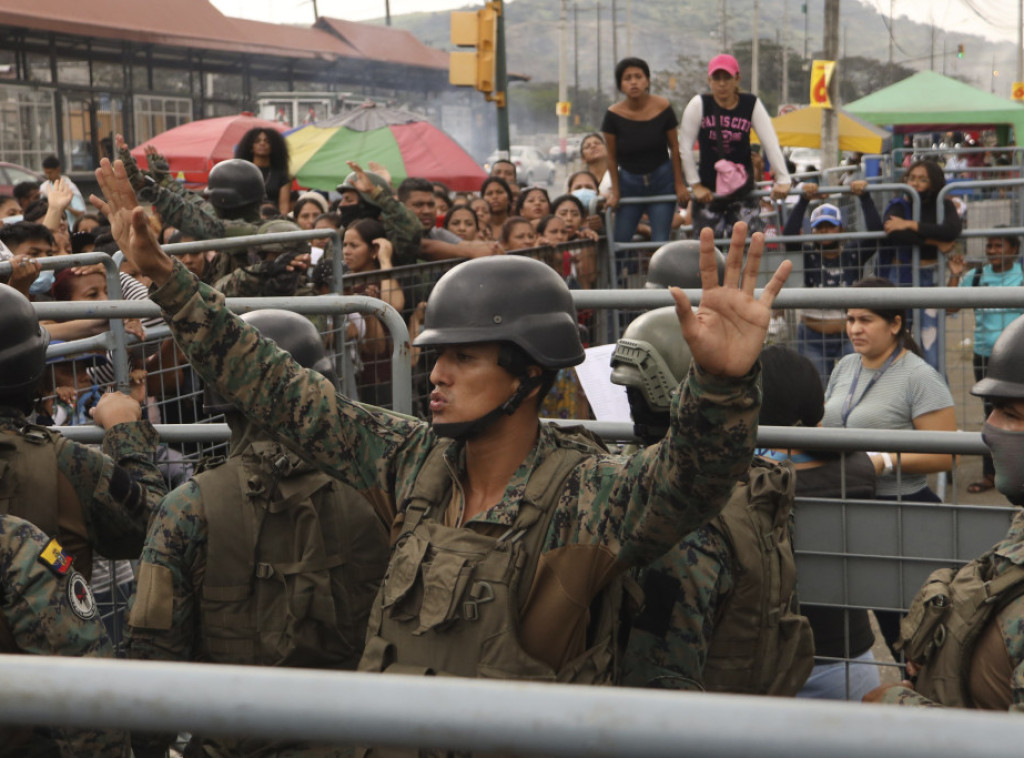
960,51
477,29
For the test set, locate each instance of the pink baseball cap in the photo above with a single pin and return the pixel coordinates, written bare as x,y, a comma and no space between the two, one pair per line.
725,63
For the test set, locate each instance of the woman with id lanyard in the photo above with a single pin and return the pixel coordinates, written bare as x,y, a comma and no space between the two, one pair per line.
886,384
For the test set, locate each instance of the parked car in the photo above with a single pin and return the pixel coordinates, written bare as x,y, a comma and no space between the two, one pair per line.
531,165
572,150
806,159
12,173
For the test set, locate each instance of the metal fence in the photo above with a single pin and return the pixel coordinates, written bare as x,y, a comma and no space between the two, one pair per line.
851,554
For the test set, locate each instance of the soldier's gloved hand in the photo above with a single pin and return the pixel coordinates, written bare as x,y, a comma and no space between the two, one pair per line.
135,177
159,168
280,277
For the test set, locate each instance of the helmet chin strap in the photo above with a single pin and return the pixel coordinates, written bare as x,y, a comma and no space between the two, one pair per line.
467,430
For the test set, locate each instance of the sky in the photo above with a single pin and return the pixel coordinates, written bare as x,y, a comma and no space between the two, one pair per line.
995,19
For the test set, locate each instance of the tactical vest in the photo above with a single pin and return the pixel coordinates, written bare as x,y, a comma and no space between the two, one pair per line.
294,559
945,621
452,598
32,487
761,644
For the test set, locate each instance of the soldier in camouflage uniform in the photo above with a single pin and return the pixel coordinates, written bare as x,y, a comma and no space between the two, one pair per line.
90,500
47,608
190,211
281,272
187,573
502,327
696,590
992,669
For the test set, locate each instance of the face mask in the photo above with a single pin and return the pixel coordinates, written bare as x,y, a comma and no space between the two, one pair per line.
1007,450
43,283
588,197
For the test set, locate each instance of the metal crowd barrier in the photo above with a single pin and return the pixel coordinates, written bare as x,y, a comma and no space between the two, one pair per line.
480,715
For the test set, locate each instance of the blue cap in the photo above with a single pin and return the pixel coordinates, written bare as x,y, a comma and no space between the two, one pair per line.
826,214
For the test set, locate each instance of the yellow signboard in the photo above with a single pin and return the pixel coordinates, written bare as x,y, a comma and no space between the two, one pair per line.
821,75
563,108
1018,91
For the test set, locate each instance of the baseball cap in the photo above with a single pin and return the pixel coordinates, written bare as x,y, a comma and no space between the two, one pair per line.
826,214
724,62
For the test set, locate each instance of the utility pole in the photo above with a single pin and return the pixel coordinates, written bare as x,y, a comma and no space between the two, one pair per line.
830,116
615,42
932,48
754,78
563,77
1020,41
629,28
724,30
576,52
387,11
501,79
892,36
597,99
807,15
785,53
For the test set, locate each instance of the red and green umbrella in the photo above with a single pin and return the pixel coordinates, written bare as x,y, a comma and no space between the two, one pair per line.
399,140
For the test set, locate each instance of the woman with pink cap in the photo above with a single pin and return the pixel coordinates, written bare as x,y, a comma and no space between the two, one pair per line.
720,123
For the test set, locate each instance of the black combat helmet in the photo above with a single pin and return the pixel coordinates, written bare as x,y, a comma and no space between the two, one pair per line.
505,298
22,346
292,333
677,264
234,185
1004,376
377,179
652,357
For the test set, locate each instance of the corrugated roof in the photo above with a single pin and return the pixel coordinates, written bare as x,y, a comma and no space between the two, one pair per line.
385,43
198,24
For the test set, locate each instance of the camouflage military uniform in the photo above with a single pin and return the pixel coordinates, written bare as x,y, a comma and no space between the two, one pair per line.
1008,551
118,488
48,609
695,578
614,512
176,551
404,231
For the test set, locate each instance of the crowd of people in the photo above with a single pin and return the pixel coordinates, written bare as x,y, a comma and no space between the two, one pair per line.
338,534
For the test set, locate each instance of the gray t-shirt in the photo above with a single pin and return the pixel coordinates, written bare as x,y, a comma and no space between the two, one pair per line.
909,388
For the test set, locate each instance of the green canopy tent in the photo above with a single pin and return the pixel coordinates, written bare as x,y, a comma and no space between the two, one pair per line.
928,101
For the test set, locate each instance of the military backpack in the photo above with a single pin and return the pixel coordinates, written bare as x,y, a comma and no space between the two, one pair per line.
293,562
945,622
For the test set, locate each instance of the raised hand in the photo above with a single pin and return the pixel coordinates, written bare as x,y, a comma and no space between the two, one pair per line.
128,223
727,332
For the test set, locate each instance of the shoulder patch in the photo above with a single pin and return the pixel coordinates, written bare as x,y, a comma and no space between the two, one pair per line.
55,558
80,598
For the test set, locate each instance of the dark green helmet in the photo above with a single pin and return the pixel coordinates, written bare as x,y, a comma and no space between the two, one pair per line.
1004,375
377,179
291,332
281,226
505,298
652,357
677,264
22,344
235,184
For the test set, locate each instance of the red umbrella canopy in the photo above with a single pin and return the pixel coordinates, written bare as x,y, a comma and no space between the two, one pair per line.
194,148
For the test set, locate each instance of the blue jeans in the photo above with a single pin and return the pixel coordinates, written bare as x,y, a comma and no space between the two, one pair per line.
661,181
823,350
837,680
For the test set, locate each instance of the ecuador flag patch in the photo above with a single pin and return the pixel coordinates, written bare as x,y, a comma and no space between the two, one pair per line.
55,559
